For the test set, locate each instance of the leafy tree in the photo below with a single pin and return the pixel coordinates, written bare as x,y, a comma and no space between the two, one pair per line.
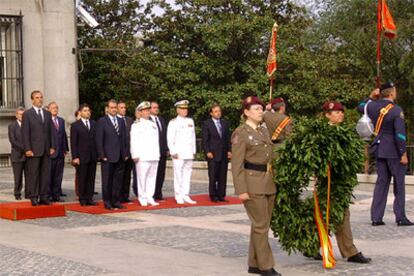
215,51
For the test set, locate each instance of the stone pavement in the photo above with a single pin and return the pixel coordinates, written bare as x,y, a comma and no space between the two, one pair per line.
187,241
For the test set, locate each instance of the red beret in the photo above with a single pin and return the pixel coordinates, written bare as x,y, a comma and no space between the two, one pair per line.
251,100
332,106
279,100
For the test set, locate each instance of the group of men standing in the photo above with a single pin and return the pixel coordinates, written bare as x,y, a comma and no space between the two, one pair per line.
39,146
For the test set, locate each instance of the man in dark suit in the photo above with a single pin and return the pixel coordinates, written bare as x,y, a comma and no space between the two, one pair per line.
57,162
17,156
39,144
112,150
129,164
162,136
84,154
216,145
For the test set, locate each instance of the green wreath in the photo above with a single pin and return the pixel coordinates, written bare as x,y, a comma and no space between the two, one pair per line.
313,145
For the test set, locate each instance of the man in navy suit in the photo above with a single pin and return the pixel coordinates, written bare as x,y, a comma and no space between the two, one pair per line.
216,145
129,164
57,162
111,144
84,154
39,145
389,148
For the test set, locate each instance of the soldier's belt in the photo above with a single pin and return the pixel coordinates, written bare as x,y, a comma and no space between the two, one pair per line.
255,167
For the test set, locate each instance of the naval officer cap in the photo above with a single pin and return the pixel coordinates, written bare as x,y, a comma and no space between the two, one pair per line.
144,105
182,104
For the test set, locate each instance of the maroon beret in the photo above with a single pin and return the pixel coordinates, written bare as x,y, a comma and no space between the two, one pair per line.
251,100
279,100
332,106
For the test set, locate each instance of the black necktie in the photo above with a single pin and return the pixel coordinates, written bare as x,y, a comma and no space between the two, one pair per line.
39,112
87,125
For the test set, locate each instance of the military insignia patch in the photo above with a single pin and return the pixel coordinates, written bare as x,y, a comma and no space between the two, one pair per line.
402,115
249,99
331,105
235,139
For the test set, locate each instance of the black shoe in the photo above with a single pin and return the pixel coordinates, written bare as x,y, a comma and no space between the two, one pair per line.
214,199
82,203
223,200
108,206
270,272
377,223
118,206
58,199
127,200
45,202
160,198
404,222
18,197
95,193
91,203
359,258
253,270
62,194
34,202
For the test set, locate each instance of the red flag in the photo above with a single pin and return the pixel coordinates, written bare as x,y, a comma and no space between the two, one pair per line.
387,22
271,57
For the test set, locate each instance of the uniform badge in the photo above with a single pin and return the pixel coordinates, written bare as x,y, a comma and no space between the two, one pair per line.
249,100
402,115
331,105
235,139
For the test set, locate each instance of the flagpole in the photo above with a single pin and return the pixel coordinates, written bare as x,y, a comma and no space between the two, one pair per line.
379,29
271,60
271,90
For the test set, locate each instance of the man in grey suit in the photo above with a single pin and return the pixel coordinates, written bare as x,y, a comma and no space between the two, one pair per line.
39,144
17,156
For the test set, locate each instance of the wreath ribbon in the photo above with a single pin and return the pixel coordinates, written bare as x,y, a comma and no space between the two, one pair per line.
328,259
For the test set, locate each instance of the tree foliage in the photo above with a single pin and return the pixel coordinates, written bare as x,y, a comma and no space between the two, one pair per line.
215,51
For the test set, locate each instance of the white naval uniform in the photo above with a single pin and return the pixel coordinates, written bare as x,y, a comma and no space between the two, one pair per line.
145,146
182,141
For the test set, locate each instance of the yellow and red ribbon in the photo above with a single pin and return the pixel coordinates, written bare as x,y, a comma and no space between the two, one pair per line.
328,258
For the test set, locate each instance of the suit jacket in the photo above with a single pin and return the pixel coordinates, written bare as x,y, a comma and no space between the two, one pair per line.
37,134
82,141
162,136
212,142
128,123
16,141
61,139
108,143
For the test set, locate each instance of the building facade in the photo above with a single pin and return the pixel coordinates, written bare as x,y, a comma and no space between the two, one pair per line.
37,52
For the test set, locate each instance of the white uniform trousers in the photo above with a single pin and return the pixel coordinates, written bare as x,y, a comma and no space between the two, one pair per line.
146,177
182,177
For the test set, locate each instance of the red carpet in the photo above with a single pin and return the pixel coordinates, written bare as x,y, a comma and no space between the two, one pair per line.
202,200
25,210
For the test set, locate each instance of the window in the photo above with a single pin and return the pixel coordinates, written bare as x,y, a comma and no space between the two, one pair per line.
11,63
